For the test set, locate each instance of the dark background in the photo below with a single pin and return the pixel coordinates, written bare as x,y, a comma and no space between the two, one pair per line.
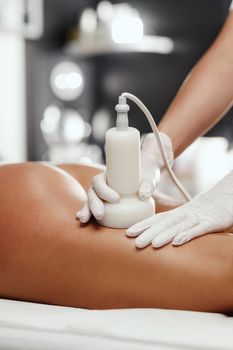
155,78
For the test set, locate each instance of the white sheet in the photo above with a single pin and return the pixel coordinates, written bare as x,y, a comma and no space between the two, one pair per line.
36,326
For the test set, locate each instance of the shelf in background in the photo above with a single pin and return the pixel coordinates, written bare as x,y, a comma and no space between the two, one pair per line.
149,44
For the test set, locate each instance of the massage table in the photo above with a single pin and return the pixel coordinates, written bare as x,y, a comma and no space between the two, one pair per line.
32,326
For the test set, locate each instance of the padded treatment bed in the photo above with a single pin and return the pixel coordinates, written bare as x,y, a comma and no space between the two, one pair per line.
31,326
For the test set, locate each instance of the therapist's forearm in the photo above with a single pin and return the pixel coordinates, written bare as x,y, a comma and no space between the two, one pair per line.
205,96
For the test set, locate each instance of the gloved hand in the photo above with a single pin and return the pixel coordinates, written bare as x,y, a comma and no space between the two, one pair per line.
151,164
210,211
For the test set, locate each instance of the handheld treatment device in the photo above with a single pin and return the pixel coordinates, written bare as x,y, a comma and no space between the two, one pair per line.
123,161
122,146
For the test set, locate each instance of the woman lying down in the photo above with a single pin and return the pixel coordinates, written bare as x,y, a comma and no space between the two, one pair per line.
48,256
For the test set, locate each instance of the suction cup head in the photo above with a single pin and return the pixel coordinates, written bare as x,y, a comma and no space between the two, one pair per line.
127,212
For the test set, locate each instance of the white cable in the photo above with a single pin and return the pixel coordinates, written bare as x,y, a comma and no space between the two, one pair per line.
160,145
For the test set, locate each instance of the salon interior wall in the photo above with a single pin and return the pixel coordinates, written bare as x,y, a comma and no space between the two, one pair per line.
41,57
12,100
153,77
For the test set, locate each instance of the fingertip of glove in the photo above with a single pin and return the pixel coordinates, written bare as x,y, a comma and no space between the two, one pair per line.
82,217
113,197
146,190
77,215
98,214
139,243
181,240
130,233
144,195
177,242
157,244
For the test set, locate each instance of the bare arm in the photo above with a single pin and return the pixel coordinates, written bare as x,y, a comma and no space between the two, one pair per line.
205,96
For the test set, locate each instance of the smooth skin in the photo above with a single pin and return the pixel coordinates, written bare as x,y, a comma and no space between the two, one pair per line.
205,96
47,256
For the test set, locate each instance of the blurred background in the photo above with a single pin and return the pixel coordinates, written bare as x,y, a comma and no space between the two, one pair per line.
64,63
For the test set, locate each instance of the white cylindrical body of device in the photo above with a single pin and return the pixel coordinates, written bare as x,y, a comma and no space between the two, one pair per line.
123,160
124,176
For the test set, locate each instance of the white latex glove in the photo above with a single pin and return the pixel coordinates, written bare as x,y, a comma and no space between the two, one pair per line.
98,192
210,211
151,164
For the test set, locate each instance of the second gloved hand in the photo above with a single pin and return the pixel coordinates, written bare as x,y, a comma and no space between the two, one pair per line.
210,211
151,164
